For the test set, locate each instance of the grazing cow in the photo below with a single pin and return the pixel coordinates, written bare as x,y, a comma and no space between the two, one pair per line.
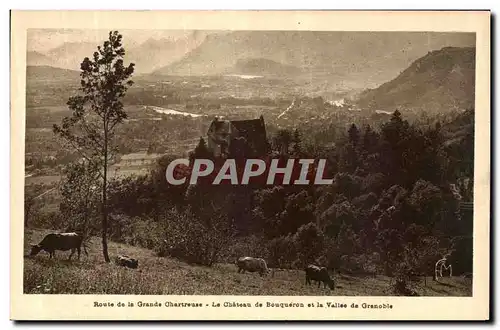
60,241
252,265
126,261
319,274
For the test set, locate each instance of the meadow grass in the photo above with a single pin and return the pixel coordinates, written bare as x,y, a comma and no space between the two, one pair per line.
168,276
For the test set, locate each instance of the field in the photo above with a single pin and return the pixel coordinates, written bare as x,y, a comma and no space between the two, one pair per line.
155,275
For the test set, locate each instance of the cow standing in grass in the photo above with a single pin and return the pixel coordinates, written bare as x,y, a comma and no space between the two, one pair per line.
252,265
62,242
319,274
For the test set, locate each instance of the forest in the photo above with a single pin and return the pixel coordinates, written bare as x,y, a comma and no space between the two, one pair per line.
393,207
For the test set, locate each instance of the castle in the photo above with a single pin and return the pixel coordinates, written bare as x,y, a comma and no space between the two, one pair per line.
226,137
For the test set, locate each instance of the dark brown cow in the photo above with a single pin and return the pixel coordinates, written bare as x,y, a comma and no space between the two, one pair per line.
319,274
60,241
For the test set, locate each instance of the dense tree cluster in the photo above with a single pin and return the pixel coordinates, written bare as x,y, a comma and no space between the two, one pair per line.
393,207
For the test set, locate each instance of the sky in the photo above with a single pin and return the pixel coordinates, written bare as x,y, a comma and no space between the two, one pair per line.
42,40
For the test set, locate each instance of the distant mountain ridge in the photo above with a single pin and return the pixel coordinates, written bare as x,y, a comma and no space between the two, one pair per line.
442,80
147,56
69,54
154,54
370,57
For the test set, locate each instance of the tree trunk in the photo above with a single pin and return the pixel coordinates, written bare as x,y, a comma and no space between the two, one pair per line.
104,198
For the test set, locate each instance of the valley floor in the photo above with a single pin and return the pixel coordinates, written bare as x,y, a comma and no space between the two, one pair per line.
166,276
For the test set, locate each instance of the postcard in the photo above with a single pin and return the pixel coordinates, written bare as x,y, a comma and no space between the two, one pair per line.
250,165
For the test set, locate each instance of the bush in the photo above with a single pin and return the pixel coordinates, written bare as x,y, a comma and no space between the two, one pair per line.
136,231
48,220
196,240
309,242
282,252
362,264
416,259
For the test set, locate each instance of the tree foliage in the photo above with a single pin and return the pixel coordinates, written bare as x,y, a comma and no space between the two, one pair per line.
80,198
97,111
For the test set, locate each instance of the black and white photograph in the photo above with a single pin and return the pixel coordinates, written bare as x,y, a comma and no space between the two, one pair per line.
241,162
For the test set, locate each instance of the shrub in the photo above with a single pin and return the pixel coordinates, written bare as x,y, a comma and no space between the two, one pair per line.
196,240
309,242
253,246
136,231
282,252
416,259
48,220
361,264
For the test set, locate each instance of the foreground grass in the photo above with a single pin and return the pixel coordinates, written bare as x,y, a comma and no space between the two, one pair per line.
165,276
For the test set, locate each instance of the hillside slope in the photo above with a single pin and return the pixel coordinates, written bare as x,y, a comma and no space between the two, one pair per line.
91,275
442,80
38,59
52,74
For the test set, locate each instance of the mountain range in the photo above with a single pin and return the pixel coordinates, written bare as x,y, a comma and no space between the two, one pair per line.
410,70
366,58
148,56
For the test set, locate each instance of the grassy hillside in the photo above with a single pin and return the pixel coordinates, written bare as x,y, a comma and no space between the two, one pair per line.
91,275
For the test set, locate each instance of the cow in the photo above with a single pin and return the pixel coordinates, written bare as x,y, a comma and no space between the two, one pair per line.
126,261
60,241
319,274
252,265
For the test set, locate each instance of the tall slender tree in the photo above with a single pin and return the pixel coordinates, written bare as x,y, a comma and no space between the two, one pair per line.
97,112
